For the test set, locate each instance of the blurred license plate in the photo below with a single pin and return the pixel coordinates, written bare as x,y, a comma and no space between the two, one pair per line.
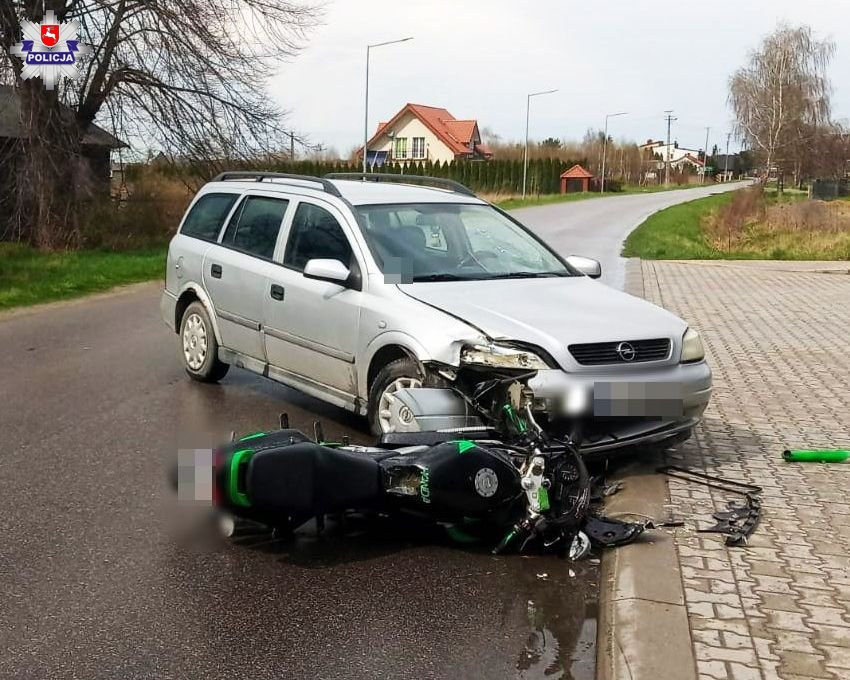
658,399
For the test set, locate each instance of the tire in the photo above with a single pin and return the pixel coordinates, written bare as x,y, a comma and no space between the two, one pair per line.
198,346
402,373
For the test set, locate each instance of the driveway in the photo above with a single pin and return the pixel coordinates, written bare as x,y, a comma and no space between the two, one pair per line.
597,227
98,581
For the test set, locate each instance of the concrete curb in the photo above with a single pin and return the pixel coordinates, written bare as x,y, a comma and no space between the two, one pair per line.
643,631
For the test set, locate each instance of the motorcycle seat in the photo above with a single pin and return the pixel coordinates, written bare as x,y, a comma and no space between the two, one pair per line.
308,478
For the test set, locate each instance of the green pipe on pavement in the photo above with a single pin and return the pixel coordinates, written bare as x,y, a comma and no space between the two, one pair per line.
816,456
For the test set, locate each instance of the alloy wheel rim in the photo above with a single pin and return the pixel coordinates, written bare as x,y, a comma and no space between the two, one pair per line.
385,414
195,342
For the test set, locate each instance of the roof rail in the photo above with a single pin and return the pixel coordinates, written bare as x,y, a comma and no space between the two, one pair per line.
259,176
439,182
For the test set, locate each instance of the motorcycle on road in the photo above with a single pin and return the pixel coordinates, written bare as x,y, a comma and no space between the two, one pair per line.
506,482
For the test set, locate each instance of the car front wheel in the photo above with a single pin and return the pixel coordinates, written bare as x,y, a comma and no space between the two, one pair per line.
199,346
384,416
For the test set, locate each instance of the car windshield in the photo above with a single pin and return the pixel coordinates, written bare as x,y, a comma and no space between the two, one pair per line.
452,242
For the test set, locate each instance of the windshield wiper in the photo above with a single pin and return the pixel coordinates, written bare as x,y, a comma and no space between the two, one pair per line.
528,275
440,277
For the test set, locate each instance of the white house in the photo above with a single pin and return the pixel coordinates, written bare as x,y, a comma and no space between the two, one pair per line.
679,157
660,149
426,133
688,160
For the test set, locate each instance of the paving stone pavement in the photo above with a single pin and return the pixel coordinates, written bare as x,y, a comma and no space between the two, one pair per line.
777,337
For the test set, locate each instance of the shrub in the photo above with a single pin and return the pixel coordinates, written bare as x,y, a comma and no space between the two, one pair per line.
726,227
147,217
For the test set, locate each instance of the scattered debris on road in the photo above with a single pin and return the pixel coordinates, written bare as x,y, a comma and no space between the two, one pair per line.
740,519
816,456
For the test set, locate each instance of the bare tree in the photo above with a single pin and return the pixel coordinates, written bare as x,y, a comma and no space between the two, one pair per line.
186,76
782,94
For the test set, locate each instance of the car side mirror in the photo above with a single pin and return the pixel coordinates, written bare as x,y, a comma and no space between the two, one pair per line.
333,271
585,265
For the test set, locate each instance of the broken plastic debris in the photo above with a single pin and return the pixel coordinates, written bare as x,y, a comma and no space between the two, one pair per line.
816,455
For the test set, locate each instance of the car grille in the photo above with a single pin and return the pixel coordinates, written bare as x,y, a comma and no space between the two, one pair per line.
596,353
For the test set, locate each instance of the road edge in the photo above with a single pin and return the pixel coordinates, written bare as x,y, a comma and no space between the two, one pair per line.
643,629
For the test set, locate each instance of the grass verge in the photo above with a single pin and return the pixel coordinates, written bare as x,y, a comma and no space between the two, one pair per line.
695,231
676,233
28,277
513,202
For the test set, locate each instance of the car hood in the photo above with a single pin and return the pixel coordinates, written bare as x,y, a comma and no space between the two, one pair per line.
551,313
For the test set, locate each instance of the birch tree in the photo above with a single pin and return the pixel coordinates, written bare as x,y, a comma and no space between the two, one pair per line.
782,95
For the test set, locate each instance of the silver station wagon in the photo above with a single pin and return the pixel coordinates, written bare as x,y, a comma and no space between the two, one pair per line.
351,288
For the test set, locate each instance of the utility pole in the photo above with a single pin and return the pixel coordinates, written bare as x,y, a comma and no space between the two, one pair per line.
726,160
292,146
670,119
705,156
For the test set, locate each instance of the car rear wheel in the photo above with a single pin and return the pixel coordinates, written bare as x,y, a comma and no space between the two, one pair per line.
396,375
199,347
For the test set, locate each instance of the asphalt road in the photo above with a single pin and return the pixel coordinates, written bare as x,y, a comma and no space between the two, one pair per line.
597,227
99,577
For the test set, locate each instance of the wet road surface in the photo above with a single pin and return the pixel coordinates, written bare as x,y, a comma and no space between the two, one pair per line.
98,581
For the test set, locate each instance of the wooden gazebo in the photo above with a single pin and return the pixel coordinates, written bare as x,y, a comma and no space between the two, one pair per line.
575,180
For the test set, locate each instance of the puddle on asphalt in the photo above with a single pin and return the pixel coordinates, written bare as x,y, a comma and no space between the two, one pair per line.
561,641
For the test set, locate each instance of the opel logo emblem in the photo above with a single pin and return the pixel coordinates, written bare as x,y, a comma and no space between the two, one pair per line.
626,351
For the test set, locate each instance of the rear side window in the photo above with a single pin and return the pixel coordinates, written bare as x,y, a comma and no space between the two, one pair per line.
254,227
315,234
207,215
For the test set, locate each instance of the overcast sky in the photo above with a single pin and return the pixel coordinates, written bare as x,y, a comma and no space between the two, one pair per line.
479,59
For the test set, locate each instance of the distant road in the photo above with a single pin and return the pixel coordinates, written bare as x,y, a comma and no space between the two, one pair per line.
597,227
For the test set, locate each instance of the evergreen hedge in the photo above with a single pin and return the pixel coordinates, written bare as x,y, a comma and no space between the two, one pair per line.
494,176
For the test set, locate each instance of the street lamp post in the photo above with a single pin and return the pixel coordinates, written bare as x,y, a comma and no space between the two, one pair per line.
366,106
525,155
605,147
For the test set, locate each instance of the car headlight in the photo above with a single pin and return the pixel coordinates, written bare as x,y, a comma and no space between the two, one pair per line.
692,349
500,356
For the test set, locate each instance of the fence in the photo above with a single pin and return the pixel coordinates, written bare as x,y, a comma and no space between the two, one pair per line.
826,190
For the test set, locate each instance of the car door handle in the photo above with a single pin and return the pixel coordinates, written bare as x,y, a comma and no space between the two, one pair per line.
215,271
277,292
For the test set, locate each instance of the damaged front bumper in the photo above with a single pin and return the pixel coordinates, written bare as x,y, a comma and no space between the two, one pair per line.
638,407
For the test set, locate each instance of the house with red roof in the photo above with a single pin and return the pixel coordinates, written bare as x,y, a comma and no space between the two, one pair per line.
690,161
426,133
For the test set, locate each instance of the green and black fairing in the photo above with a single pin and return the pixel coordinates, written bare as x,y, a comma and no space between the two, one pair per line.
454,479
282,476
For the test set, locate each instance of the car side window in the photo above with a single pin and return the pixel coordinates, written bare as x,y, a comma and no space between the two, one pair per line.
254,227
315,234
207,215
